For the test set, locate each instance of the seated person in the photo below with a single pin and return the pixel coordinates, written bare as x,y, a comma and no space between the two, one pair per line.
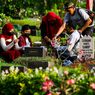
49,27
24,40
69,52
9,48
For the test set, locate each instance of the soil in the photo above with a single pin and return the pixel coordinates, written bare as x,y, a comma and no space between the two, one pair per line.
87,65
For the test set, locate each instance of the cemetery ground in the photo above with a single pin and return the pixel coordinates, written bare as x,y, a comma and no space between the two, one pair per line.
36,22
76,79
50,59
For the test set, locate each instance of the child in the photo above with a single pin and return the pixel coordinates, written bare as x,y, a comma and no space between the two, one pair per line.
24,40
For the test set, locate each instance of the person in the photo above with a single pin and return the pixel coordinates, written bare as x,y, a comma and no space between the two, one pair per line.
24,40
82,23
69,52
49,27
9,48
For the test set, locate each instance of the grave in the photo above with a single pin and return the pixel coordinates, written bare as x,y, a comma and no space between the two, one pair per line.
87,45
37,64
35,52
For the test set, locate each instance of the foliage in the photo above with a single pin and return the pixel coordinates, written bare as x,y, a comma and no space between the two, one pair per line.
53,81
30,8
4,19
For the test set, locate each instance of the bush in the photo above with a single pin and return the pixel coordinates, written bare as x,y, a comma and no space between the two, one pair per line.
53,81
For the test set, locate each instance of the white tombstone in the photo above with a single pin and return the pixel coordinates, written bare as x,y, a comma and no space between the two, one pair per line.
87,45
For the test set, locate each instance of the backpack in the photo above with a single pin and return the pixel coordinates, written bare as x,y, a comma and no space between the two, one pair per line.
90,13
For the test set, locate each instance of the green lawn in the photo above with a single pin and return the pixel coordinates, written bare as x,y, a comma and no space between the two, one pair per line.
32,22
35,38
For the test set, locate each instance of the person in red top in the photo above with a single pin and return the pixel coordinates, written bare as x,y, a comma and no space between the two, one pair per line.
49,27
9,48
24,40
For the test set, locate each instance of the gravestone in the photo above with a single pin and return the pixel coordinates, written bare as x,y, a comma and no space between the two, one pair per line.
35,52
37,64
87,45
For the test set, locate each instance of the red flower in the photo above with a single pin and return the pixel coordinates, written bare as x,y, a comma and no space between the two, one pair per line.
92,85
45,88
70,81
47,85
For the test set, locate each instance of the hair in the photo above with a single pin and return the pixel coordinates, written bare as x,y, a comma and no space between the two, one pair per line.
68,4
25,27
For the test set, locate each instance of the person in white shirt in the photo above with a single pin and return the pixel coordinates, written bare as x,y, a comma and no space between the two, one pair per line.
69,52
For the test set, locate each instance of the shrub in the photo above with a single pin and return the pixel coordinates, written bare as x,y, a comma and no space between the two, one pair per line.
53,81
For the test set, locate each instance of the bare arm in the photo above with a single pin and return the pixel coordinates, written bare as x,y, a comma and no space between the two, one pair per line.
60,30
85,25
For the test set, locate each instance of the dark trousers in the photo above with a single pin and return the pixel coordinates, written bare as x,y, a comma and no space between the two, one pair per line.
88,31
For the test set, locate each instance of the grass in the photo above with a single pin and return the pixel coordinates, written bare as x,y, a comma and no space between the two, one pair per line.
35,38
3,63
29,21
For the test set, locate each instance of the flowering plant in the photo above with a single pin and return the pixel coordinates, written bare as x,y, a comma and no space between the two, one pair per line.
51,81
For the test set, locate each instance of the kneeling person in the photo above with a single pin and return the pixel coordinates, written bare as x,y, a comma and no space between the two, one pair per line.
69,52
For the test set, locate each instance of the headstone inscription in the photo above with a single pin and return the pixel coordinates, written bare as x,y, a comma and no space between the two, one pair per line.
87,45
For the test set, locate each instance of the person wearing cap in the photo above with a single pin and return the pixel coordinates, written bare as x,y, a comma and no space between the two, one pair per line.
78,26
69,51
24,40
49,27
9,48
72,18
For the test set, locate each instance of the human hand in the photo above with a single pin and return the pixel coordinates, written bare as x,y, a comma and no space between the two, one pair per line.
55,43
54,38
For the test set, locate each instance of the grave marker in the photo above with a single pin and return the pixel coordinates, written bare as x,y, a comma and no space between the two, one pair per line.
87,45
